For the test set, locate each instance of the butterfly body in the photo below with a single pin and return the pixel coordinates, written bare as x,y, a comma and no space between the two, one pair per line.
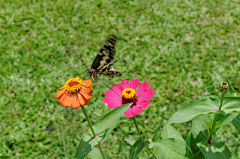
102,62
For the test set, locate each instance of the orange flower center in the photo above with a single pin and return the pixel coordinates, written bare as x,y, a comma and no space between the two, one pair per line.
73,85
128,93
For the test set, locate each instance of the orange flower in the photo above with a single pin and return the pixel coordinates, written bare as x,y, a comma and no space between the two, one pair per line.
75,92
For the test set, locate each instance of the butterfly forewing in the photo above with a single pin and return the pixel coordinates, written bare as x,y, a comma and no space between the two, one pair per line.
105,55
102,62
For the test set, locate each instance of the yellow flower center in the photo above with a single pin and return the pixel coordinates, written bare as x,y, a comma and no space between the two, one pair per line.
128,93
73,85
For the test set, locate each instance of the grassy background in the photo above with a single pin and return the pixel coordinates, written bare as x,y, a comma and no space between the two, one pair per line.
174,45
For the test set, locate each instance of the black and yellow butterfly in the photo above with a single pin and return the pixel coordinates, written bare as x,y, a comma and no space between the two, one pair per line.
102,62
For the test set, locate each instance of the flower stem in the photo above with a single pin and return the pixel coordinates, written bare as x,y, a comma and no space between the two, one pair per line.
135,122
91,127
215,119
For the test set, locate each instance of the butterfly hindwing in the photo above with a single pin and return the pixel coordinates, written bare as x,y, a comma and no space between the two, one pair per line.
110,73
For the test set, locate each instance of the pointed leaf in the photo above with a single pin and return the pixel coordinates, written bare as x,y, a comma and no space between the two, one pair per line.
236,153
199,129
192,148
156,136
169,149
199,107
236,122
130,141
170,132
103,128
231,105
136,148
225,119
215,151
95,153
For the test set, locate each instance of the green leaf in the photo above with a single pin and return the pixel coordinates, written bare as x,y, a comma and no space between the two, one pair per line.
199,107
84,148
95,153
192,149
170,132
136,148
220,131
130,141
236,122
223,79
169,149
208,124
207,105
224,120
156,136
103,128
199,129
231,105
149,143
236,153
218,150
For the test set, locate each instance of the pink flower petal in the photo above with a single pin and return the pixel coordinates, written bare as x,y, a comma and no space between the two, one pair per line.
129,113
136,110
143,104
147,95
143,87
134,83
125,84
114,104
119,86
111,94
117,90
111,100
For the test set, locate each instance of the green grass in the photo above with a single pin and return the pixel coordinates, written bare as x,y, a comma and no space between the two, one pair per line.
174,45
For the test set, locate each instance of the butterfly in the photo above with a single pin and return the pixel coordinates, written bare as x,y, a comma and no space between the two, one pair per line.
102,62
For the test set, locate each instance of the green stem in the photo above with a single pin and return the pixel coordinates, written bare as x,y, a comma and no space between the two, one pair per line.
91,127
135,122
63,139
215,119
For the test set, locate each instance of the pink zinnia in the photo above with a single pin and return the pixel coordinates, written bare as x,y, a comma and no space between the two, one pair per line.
128,93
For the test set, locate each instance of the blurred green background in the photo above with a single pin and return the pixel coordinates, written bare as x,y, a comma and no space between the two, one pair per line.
174,45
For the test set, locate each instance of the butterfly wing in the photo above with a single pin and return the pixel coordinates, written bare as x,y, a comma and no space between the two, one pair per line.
105,55
110,73
102,62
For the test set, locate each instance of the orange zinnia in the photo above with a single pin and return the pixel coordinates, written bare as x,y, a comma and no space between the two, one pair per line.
75,92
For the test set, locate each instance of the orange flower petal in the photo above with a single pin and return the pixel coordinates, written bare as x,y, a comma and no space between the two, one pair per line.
87,83
59,93
62,87
68,101
86,90
63,99
82,100
75,103
87,96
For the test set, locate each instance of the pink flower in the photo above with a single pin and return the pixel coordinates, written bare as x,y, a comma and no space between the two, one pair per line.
129,93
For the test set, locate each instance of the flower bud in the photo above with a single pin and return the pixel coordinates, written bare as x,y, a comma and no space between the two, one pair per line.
224,87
